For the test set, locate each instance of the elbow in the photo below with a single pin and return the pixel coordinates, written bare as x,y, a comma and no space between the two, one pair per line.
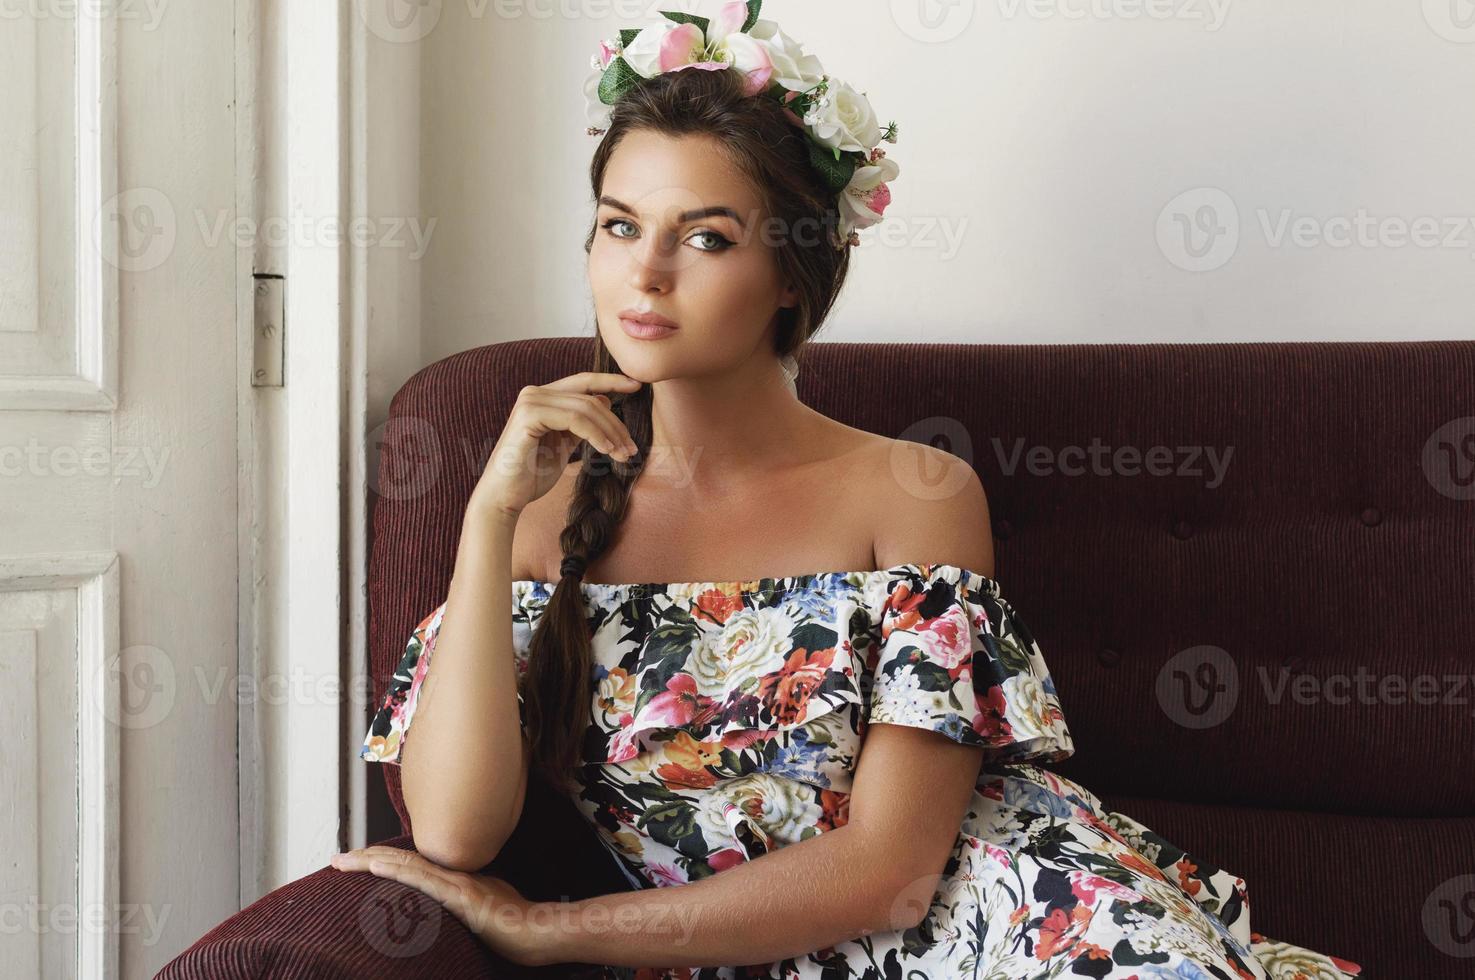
456,853
468,842
905,902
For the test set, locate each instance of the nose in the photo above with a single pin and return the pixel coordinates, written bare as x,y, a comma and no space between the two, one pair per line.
656,260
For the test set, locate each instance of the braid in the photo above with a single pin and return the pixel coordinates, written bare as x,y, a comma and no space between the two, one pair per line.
557,686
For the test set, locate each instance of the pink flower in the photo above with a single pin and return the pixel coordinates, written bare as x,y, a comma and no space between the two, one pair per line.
681,46
865,201
1086,886
665,874
726,858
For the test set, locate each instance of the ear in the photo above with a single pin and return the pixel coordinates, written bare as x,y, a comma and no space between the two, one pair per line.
789,297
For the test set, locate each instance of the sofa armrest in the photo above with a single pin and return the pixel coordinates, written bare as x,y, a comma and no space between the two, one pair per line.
337,925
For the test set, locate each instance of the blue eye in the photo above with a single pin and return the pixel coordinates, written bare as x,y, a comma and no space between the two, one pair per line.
721,241
716,241
616,221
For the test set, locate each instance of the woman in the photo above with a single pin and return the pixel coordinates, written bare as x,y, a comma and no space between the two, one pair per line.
814,771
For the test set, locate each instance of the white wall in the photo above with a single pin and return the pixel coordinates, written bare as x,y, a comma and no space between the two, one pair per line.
1053,138
1041,153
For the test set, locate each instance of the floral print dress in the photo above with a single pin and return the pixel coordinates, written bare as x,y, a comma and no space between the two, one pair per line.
728,718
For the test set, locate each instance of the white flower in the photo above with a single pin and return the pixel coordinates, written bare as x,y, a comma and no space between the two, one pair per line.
864,201
753,642
597,111
844,120
792,68
1026,707
781,808
672,46
1284,961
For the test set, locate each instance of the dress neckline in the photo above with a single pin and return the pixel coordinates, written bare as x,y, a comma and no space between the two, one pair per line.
775,584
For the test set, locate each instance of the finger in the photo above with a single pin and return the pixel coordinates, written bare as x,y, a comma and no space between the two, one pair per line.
359,858
589,420
598,407
588,382
415,874
455,890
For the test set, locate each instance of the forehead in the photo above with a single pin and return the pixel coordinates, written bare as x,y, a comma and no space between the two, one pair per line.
655,172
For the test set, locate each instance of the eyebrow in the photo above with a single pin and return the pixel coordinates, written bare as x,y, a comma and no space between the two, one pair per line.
686,216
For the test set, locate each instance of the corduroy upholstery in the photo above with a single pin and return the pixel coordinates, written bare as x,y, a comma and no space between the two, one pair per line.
1339,536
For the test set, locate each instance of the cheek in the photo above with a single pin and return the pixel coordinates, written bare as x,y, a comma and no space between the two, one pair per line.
741,285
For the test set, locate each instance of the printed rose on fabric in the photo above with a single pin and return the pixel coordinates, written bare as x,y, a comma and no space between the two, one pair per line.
752,642
716,606
788,691
778,809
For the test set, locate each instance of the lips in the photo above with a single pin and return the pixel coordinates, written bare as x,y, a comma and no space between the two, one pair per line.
645,331
647,318
646,324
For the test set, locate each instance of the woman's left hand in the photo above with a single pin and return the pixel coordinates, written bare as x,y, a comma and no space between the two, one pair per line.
491,908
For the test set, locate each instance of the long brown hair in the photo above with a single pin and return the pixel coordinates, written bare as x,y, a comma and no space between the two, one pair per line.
764,142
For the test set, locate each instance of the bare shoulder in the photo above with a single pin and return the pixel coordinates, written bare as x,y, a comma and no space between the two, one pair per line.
931,508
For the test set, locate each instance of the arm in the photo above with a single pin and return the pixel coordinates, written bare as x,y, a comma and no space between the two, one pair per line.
879,871
464,805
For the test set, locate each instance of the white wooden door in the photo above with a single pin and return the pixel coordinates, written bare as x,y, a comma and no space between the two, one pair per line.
119,385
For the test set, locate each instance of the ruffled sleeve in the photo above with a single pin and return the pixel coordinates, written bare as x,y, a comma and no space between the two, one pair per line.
955,658
390,727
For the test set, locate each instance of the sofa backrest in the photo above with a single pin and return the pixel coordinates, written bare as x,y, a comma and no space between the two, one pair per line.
1250,566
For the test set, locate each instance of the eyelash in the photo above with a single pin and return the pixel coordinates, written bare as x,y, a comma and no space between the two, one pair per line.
723,243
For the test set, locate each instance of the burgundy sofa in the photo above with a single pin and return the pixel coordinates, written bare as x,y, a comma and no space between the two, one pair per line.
1338,542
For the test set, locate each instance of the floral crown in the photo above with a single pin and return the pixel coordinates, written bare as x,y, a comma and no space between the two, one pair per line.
844,134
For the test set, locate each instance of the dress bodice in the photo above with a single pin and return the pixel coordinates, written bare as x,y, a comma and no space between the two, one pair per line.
729,716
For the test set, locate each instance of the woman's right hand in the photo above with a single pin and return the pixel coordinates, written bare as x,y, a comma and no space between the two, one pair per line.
545,425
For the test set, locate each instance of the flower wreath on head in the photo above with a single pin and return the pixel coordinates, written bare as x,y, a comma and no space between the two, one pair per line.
844,134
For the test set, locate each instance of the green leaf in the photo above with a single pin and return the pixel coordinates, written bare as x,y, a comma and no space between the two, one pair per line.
628,35
931,677
681,18
618,79
837,169
753,7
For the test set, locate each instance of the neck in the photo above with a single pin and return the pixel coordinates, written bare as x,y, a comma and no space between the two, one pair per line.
710,434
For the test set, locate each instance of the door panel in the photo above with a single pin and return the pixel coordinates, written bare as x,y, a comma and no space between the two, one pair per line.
118,485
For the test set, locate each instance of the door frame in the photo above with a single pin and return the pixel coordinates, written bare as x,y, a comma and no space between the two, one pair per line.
303,589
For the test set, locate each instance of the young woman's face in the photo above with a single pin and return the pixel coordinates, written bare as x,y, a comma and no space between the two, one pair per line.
679,234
